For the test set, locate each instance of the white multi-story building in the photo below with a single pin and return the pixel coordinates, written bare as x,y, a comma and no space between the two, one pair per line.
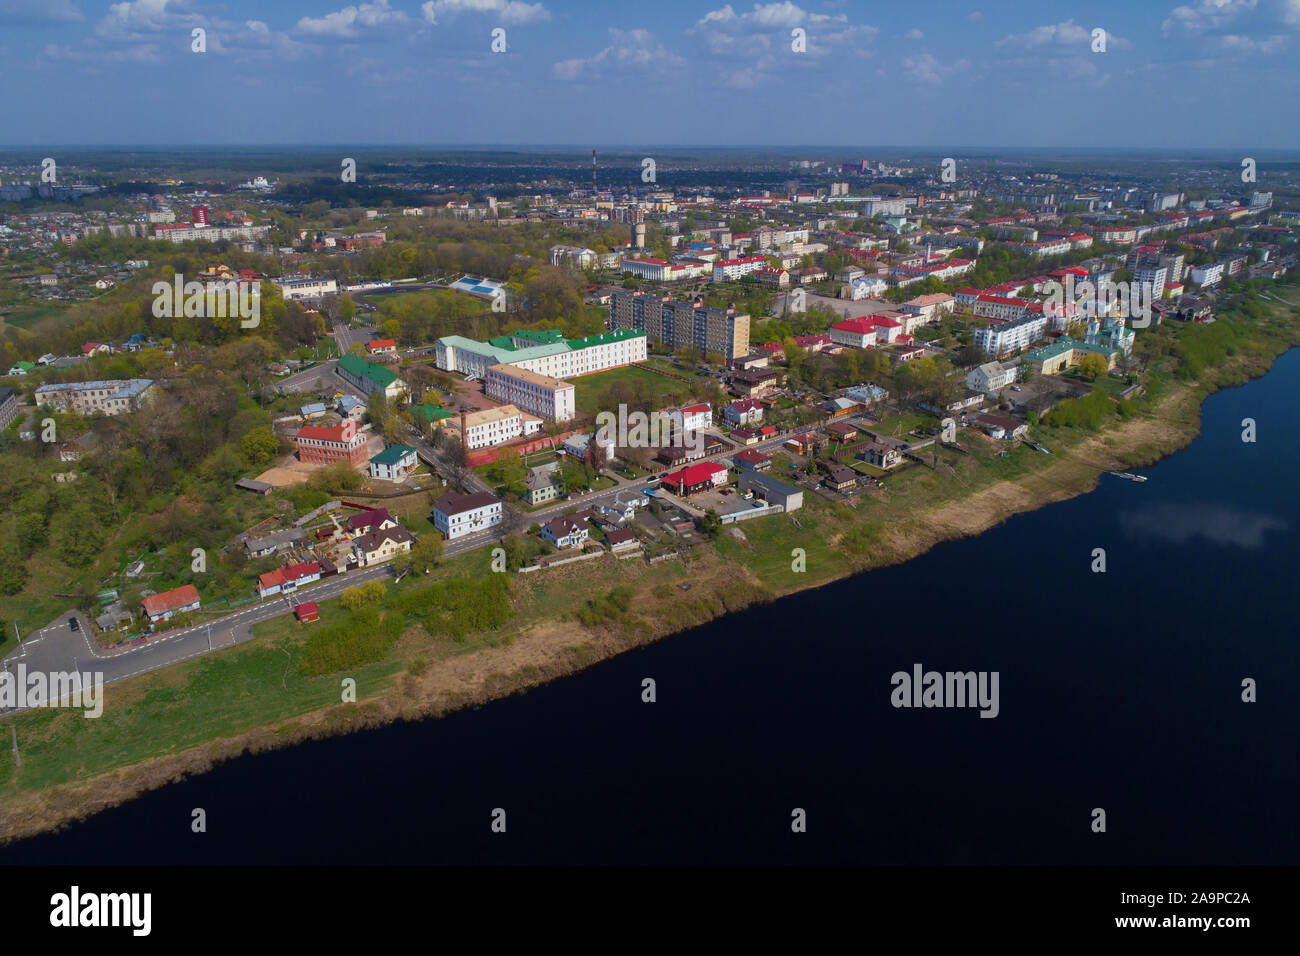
575,256
113,397
991,377
493,426
863,287
656,270
546,353
1208,275
457,515
305,288
725,270
691,418
544,396
1152,279
1006,337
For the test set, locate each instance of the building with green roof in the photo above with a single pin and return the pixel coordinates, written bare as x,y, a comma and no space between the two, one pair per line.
1064,353
429,414
394,463
371,377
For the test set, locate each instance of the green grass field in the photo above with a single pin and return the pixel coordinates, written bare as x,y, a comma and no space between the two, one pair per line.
588,388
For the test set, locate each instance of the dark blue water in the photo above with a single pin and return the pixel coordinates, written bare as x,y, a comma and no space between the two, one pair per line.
1119,690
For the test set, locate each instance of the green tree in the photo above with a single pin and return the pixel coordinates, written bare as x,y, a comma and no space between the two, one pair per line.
259,446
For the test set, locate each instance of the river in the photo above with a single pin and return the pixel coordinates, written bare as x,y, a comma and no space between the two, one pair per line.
1119,690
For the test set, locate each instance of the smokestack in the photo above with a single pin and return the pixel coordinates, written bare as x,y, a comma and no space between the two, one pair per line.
593,170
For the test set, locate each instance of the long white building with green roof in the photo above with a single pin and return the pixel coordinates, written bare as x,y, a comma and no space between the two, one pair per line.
370,377
528,369
547,353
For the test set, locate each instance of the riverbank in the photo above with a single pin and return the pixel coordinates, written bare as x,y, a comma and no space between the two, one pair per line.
421,677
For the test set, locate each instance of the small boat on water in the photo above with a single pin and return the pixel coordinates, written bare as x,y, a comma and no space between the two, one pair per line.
1129,475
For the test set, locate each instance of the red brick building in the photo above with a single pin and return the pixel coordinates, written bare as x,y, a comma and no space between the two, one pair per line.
323,446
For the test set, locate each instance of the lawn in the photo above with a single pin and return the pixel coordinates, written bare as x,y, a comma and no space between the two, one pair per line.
589,388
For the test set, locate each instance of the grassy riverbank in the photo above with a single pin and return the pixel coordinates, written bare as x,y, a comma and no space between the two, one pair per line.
162,726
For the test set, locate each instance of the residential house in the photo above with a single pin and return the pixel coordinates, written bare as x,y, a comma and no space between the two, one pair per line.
751,383
544,483
287,580
394,463
381,544
807,444
746,411
1000,426
162,607
841,432
691,418
620,540
567,531
275,543
840,478
457,515
351,408
881,454
751,459
376,519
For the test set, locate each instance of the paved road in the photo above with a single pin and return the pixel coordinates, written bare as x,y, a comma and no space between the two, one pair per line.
57,648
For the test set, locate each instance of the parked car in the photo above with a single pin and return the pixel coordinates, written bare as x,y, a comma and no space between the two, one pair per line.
74,624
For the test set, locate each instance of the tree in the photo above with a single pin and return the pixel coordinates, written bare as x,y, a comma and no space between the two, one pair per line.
510,468
259,446
1092,365
424,554
347,308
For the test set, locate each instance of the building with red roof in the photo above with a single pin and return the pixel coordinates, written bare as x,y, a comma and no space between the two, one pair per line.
858,333
287,580
161,607
695,478
324,445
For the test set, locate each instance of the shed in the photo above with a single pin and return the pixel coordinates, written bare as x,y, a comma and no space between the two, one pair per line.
307,612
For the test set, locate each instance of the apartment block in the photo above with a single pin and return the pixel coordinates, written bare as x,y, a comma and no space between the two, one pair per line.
682,324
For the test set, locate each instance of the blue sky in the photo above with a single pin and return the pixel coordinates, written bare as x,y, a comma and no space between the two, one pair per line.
973,73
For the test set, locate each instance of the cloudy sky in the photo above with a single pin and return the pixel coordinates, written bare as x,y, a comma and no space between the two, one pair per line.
972,73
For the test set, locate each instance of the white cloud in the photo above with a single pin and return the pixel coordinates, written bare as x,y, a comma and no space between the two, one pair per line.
1205,15
926,69
628,50
914,34
974,16
1236,43
351,20
1061,36
766,28
512,12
